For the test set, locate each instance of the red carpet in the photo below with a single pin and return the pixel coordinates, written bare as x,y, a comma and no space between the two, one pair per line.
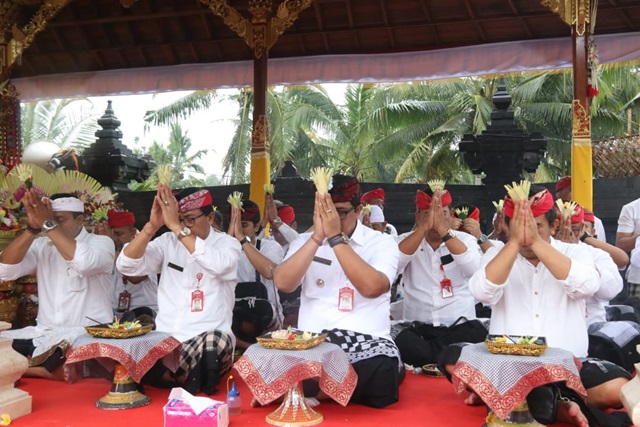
424,401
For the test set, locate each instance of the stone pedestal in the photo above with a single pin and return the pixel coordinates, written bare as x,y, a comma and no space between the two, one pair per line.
630,396
13,401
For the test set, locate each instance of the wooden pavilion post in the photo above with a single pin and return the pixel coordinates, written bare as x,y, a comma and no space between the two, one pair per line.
577,14
260,33
13,41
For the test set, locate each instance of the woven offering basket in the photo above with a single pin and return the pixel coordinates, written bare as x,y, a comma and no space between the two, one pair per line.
280,344
495,347
103,331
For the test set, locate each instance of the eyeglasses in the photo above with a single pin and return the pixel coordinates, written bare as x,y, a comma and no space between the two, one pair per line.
342,213
189,221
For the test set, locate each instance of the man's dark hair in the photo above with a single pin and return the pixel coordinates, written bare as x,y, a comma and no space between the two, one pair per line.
206,210
250,211
62,196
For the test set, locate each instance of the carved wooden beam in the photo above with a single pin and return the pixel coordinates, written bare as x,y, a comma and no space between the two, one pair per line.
12,46
262,30
572,12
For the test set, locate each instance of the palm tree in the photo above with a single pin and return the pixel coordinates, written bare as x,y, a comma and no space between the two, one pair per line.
176,154
65,122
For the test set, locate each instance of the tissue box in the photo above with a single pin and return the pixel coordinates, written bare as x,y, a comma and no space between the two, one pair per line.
179,412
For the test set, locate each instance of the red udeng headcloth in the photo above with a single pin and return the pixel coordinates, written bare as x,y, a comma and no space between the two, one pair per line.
423,200
540,203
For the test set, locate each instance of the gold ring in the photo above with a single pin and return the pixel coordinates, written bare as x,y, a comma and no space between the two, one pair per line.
328,210
33,205
166,203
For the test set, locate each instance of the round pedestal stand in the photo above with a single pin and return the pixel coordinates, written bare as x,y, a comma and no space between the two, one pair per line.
123,393
518,417
294,411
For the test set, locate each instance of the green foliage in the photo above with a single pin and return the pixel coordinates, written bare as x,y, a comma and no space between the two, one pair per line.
65,122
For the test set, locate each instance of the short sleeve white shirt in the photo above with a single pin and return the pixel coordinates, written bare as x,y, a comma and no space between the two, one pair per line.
629,222
325,277
422,274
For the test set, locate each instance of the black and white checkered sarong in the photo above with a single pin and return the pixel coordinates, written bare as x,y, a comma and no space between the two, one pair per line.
362,346
215,341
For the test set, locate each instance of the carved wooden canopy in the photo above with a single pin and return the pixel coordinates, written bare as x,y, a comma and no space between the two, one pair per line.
94,35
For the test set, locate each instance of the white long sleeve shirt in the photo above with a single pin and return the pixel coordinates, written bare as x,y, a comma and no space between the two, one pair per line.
216,258
325,277
69,291
422,274
610,284
629,222
635,255
533,302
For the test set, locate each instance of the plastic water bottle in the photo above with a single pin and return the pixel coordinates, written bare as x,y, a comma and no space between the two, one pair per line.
233,400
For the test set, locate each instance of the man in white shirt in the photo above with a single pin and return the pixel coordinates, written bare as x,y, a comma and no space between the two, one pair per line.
536,283
626,236
635,254
436,263
346,284
133,297
73,268
376,198
198,268
257,308
563,191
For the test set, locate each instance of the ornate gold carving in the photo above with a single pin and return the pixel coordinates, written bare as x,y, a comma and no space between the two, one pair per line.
8,90
23,37
581,121
260,136
572,12
231,17
288,12
261,31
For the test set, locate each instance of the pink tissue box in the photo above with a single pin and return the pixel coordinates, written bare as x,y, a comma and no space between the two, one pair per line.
179,413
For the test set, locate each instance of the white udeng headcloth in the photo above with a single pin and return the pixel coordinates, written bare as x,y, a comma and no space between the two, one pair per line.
67,204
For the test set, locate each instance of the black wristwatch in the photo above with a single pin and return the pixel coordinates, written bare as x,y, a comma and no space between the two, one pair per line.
584,236
34,231
338,240
449,235
246,239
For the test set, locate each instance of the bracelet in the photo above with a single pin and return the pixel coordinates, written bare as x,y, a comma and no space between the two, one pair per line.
148,233
35,231
334,237
337,240
317,241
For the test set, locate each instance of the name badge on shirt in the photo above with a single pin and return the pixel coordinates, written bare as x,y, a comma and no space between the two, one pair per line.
197,300
446,288
345,299
124,301
322,260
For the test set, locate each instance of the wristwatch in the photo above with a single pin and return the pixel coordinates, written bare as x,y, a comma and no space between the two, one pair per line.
276,220
186,231
585,236
246,239
449,235
482,239
49,225
338,240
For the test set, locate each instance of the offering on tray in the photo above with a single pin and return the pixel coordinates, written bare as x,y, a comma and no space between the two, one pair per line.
119,329
290,339
521,345
124,325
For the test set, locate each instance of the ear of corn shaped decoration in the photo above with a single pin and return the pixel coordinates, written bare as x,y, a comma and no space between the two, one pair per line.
366,210
269,189
165,173
567,209
517,191
436,184
100,214
235,199
321,178
462,213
